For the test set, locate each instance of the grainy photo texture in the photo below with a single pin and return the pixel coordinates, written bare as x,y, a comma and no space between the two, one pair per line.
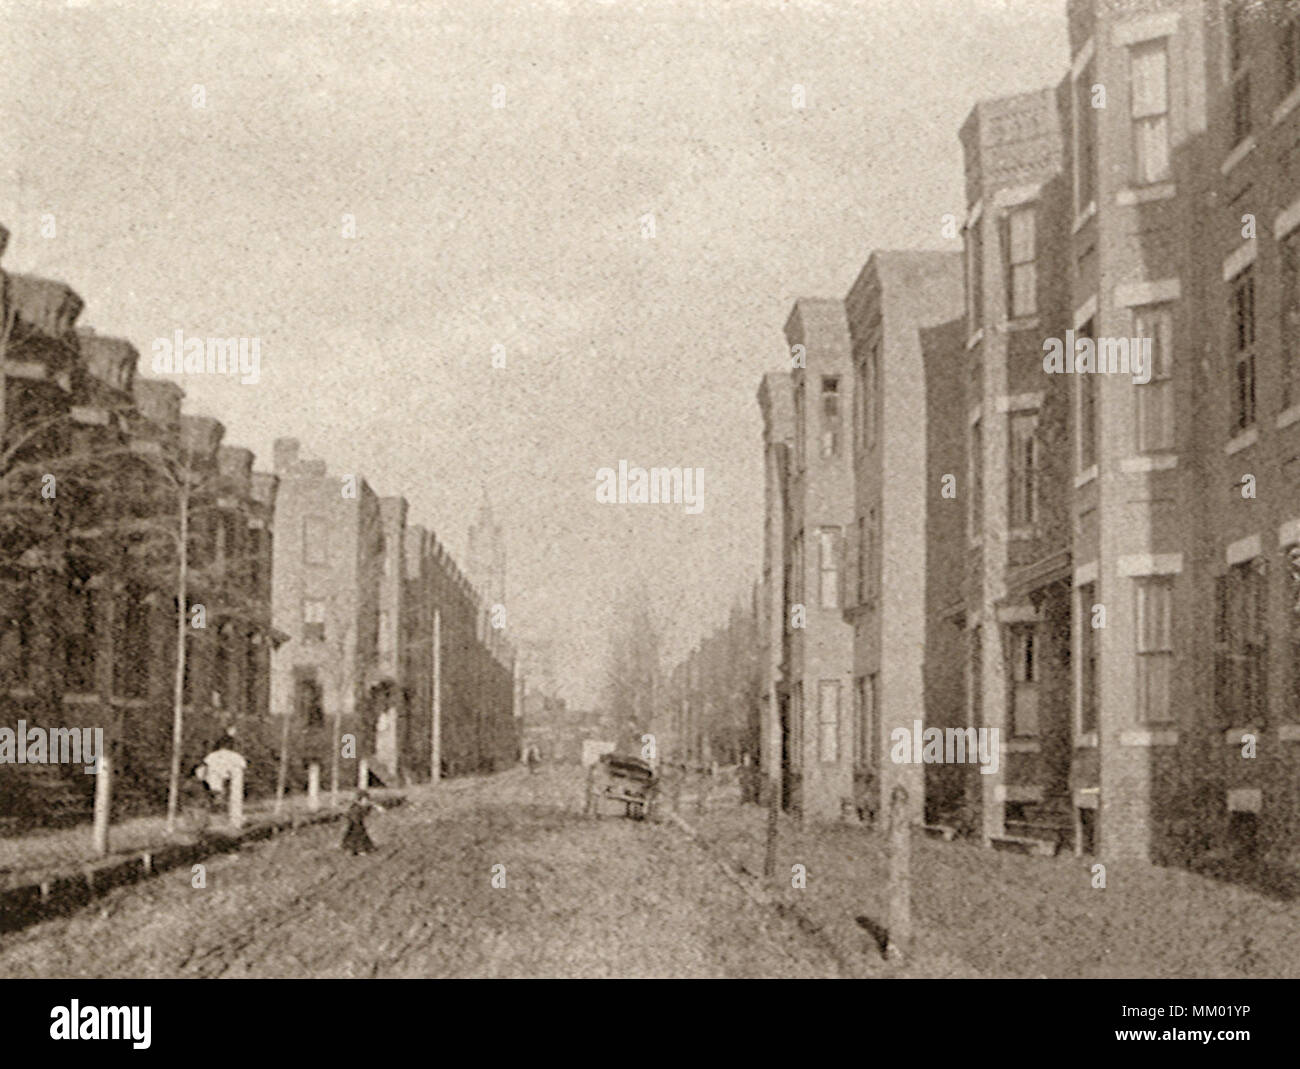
675,489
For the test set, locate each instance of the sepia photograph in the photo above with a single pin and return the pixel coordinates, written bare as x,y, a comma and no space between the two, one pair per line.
655,490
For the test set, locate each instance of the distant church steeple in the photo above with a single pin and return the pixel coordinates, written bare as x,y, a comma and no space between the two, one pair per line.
487,555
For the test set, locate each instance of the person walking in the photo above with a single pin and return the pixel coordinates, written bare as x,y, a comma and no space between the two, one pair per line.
356,840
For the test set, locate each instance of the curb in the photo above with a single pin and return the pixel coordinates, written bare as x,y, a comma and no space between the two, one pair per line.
62,894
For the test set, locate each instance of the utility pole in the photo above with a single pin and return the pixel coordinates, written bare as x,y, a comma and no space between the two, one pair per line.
178,684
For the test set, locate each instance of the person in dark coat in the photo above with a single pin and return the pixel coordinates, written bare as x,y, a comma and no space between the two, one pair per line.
356,840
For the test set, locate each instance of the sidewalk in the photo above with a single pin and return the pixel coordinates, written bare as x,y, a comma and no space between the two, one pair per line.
985,912
41,854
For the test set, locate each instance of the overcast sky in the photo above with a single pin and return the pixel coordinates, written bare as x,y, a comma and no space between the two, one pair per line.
518,226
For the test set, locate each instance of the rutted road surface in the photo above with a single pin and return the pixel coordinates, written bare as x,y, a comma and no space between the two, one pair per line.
581,898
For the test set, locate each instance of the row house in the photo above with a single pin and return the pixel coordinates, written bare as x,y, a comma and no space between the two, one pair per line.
1137,529
818,643
94,458
1100,559
894,577
389,641
327,589
463,714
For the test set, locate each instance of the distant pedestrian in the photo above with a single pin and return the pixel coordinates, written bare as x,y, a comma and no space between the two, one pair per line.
534,759
356,840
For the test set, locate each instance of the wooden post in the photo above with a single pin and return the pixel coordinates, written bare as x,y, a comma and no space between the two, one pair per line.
103,801
282,775
899,926
313,786
435,742
773,812
236,797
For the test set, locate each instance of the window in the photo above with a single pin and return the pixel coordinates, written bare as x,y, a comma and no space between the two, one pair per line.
1293,627
1291,320
193,670
1149,103
828,702
1023,475
221,673
1088,654
131,659
1155,649
828,566
1085,141
799,581
1154,422
1024,680
1239,72
864,558
228,531
831,423
866,736
1241,647
16,636
252,679
1086,385
974,276
868,375
975,675
1291,55
859,405
1021,272
79,640
1243,386
313,620
976,508
799,426
307,703
315,540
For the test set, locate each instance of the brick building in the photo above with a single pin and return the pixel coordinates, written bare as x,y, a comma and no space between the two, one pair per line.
897,506
94,460
818,652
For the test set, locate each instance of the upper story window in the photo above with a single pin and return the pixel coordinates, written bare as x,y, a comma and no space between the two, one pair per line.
315,540
1155,648
1290,45
1085,140
1149,105
1241,647
1087,391
828,567
1243,357
1238,71
1291,320
974,277
831,421
800,426
1089,650
975,512
864,558
1023,474
313,619
1021,271
1155,398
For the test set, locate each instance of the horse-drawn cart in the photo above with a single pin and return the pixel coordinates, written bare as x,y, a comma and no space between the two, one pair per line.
621,778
